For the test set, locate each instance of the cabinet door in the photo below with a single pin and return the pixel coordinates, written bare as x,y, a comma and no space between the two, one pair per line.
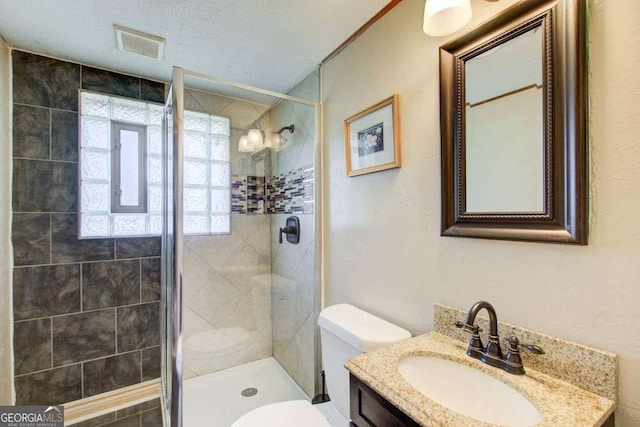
368,408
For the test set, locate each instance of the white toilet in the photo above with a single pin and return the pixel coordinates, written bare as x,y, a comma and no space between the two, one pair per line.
345,332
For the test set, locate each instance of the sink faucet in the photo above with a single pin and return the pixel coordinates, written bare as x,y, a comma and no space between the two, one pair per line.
492,353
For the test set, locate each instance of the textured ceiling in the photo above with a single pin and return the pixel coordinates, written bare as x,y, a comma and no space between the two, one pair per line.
271,44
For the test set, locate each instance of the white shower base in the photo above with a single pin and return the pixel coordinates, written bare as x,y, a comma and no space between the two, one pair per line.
214,400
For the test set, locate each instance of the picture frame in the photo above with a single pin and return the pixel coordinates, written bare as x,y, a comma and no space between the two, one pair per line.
372,138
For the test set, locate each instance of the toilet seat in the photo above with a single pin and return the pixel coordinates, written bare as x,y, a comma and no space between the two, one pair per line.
292,413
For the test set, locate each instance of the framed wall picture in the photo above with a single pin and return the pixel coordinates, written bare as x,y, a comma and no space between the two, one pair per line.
372,138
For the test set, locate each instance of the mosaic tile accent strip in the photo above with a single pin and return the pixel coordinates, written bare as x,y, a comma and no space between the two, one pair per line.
287,193
238,194
255,193
292,192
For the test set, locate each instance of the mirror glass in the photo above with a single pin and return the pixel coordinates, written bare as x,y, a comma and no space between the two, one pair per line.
504,129
514,126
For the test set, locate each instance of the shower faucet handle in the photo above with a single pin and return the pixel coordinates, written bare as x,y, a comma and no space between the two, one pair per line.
291,229
286,230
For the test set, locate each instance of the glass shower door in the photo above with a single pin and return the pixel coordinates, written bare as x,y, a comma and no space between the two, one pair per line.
172,242
238,309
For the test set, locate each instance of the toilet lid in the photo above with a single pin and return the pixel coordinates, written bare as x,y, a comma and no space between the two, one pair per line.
292,413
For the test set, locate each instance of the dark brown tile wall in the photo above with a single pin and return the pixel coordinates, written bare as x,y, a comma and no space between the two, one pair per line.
110,284
145,414
66,247
45,82
52,385
138,326
150,364
45,291
31,132
33,337
111,373
83,336
44,186
150,279
64,135
86,312
31,239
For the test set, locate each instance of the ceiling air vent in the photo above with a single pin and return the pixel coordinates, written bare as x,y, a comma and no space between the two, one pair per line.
132,41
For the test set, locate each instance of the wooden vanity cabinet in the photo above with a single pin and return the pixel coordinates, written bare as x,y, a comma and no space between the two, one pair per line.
369,409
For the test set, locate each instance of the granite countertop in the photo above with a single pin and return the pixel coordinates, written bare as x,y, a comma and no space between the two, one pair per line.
560,403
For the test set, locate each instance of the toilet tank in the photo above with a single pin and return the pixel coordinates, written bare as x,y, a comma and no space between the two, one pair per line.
345,332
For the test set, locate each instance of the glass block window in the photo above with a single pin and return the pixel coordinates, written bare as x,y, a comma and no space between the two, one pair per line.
207,191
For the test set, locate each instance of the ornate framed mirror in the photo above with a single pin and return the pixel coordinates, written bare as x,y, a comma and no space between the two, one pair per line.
514,126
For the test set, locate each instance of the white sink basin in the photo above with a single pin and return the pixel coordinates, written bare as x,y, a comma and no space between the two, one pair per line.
468,391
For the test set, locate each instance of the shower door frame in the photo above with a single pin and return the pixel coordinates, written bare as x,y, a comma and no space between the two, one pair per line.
172,389
172,242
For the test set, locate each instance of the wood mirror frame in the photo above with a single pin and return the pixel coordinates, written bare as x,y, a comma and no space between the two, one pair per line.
564,217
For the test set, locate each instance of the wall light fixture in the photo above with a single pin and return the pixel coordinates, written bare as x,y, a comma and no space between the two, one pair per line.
256,140
444,17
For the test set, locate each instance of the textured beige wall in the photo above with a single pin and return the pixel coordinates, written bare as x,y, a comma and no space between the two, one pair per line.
383,247
6,255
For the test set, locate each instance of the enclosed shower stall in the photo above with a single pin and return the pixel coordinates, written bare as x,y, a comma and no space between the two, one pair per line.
113,190
239,300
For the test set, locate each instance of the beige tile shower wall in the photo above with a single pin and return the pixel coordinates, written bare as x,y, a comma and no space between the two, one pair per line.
227,297
6,343
299,150
384,252
293,301
293,266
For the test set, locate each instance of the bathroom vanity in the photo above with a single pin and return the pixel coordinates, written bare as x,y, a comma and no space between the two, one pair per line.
368,408
575,392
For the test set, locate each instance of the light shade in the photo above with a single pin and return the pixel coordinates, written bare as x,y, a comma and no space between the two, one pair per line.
267,141
255,140
243,145
443,17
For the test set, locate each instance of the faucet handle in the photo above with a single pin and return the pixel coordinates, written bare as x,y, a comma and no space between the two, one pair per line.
515,342
513,360
472,329
475,344
533,348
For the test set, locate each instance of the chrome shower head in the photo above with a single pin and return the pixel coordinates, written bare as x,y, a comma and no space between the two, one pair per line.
290,128
281,140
